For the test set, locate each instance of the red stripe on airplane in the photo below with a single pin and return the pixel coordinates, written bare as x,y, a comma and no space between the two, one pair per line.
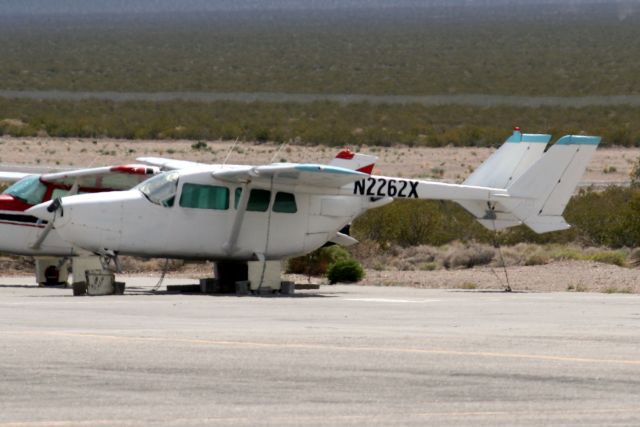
10,203
366,169
133,169
346,155
22,224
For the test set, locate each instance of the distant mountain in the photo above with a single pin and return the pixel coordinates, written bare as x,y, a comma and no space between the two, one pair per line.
84,7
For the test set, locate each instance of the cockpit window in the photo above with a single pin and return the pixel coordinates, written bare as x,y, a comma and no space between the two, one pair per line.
161,189
29,189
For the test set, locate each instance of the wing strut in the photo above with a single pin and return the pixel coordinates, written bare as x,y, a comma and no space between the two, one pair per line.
230,244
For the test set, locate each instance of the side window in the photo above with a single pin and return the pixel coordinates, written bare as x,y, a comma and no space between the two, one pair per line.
258,199
59,192
285,203
204,197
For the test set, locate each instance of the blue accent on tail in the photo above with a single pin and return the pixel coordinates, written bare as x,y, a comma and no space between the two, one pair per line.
518,137
310,167
578,140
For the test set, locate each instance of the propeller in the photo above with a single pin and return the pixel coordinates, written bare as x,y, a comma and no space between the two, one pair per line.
54,207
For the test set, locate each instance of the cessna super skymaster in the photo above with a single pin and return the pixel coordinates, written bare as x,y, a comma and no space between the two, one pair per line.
239,214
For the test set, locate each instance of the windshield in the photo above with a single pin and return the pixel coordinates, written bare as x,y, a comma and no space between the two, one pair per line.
29,189
161,189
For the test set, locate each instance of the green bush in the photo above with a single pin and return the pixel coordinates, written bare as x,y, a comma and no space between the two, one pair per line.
610,257
325,123
317,262
609,218
346,270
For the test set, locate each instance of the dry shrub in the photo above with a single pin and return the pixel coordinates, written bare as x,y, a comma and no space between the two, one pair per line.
130,264
371,254
16,263
634,257
420,257
469,256
537,259
523,254
422,254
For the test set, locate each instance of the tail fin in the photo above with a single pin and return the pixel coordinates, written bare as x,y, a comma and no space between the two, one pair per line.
510,161
539,196
355,161
549,184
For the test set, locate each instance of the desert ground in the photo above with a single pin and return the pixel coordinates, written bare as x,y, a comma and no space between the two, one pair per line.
453,164
610,165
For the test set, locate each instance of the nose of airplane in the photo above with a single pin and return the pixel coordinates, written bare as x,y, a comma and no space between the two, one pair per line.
43,211
92,221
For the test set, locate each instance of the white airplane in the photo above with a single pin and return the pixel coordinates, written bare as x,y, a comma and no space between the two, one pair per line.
24,234
259,215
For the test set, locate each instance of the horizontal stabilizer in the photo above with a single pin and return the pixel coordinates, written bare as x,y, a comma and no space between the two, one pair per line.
544,224
343,240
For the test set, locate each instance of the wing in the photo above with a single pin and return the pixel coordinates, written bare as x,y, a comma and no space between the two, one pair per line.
105,178
13,176
170,164
293,174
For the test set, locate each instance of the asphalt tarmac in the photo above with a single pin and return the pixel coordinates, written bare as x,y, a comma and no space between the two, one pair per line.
341,355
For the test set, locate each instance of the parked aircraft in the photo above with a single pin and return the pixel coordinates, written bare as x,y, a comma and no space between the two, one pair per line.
238,214
23,234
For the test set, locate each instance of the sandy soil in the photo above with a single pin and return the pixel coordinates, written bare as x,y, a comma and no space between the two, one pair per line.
577,276
450,163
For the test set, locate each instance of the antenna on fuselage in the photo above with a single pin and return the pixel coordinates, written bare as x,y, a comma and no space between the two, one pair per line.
278,151
230,151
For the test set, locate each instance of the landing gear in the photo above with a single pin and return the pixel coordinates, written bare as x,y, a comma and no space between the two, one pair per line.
51,271
257,277
228,273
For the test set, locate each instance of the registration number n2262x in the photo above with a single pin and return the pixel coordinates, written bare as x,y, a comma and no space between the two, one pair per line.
382,187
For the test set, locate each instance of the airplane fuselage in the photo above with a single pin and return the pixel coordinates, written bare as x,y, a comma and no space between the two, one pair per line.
199,221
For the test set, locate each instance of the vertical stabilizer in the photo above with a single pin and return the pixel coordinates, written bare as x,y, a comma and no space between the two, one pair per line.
355,161
507,164
546,187
510,161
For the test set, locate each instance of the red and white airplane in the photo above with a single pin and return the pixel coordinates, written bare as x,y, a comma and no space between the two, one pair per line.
24,234
248,218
